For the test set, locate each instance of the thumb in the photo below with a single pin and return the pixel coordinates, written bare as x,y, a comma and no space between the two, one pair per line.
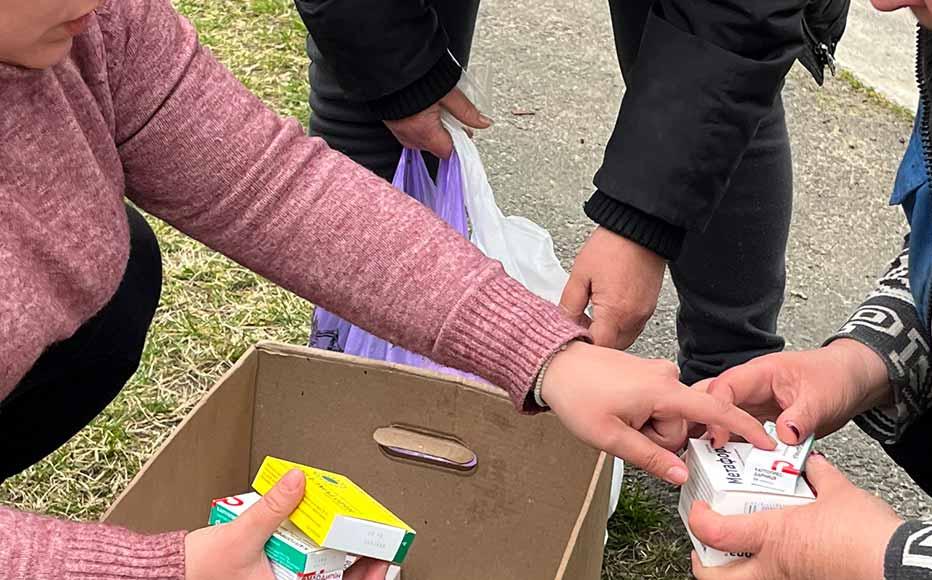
366,569
260,521
464,111
797,422
823,476
737,533
575,299
605,329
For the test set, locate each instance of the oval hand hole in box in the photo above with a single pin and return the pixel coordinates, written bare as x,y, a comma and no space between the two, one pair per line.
423,446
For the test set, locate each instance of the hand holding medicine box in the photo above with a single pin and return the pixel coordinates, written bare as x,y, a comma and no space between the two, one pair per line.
336,513
739,479
292,554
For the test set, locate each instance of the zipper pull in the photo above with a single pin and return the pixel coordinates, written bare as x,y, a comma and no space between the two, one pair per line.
828,57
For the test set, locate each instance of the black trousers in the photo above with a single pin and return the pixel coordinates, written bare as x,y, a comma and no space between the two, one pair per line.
75,379
729,279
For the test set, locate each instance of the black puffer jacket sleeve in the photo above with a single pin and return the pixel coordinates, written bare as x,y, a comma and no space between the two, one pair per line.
391,54
707,72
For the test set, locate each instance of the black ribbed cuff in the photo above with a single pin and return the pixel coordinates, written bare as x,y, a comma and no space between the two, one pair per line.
653,233
422,93
902,545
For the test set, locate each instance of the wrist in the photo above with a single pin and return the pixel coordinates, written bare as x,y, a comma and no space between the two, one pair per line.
439,80
866,374
881,545
537,390
896,546
654,234
549,380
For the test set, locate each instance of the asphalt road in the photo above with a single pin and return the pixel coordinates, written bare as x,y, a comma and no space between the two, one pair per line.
878,48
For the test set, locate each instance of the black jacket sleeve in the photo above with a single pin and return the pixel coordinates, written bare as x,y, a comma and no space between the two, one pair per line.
909,556
888,323
707,72
391,54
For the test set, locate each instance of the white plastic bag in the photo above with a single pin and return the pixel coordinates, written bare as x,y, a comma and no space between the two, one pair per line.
524,248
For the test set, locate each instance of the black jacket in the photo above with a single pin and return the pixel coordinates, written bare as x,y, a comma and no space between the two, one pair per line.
705,73
701,77
393,55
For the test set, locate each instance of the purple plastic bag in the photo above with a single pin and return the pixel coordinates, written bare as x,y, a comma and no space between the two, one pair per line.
445,198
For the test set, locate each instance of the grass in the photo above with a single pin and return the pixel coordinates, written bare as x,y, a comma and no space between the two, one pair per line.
646,539
873,96
212,310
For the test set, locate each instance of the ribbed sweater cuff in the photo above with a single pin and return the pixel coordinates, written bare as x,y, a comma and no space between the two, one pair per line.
107,553
505,334
422,93
653,233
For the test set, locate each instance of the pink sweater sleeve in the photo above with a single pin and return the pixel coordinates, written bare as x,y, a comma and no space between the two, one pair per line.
204,154
39,548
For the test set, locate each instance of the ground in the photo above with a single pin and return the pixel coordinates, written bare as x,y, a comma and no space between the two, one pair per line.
554,93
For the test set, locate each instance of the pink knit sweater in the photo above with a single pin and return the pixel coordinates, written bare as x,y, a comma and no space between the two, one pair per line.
140,109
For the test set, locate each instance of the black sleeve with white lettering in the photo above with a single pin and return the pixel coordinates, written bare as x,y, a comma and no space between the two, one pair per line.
909,553
889,324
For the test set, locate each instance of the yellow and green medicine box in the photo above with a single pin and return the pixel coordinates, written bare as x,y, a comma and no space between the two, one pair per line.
336,513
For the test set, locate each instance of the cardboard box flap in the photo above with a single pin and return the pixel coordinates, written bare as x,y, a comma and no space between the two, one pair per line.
204,459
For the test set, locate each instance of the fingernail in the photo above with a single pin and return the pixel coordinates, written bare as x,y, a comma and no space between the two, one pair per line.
486,120
292,481
795,431
677,475
817,454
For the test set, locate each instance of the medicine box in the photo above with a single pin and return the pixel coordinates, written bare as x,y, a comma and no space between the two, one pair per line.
336,513
718,477
292,554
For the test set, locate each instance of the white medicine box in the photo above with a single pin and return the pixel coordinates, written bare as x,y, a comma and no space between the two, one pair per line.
718,477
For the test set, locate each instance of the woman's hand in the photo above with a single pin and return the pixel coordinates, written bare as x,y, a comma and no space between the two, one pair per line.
635,408
843,534
816,391
236,551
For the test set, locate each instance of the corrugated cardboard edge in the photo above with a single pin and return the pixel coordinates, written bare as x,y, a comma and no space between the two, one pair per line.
282,349
571,544
245,359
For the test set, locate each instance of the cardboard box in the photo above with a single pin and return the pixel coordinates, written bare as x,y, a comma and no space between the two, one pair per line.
718,477
293,555
493,495
336,513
